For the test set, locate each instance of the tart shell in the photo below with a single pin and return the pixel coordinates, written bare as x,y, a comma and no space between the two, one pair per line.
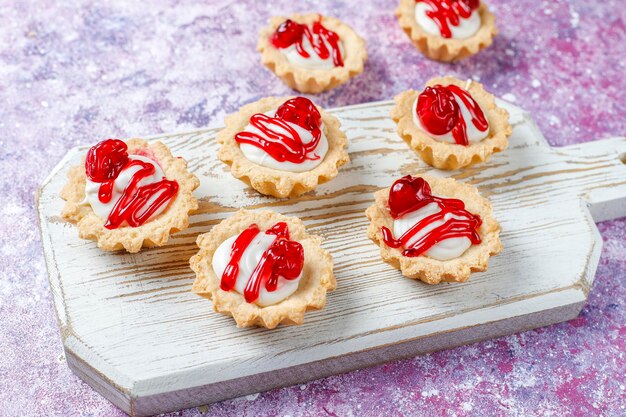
445,155
313,80
154,232
429,270
317,278
446,49
275,182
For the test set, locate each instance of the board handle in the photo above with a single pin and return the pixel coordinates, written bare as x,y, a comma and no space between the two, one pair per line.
607,198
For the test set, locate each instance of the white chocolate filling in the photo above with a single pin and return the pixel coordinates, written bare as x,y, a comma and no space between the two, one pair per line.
260,157
313,62
248,262
444,250
466,28
103,210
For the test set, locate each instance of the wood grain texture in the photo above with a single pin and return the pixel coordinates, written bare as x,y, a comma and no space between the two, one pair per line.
133,330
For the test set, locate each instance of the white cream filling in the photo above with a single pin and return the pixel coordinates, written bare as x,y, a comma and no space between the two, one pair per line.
103,210
444,250
260,157
313,62
466,28
249,260
473,134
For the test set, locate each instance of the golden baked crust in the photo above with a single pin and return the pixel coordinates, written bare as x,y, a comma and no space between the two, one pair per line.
445,155
317,277
429,270
446,49
310,80
271,181
154,232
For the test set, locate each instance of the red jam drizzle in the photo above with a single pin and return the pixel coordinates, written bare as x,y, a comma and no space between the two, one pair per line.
280,140
320,38
440,113
449,12
284,258
104,162
412,193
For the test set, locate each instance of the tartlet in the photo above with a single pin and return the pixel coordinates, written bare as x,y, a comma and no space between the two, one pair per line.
434,229
440,108
335,54
248,242
129,195
445,41
291,165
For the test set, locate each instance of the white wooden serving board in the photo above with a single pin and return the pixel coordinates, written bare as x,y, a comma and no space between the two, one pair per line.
132,329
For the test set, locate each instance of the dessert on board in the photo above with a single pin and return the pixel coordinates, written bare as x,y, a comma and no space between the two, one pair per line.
263,269
283,147
434,229
451,123
129,194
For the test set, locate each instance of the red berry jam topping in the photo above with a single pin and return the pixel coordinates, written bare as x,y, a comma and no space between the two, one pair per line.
323,41
409,194
287,34
284,258
440,113
104,162
449,12
279,139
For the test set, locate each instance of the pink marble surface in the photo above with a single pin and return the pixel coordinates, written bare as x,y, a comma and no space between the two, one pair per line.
77,71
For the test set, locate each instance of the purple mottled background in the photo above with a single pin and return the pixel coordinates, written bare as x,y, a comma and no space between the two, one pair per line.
74,72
